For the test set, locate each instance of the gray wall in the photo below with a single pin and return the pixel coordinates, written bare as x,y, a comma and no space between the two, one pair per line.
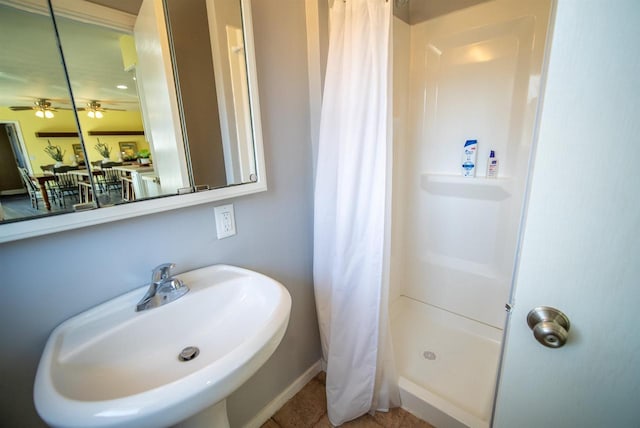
49,279
416,11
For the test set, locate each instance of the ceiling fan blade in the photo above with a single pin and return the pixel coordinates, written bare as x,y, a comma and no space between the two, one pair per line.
20,108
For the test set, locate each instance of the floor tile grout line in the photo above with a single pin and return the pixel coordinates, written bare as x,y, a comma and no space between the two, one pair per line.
310,401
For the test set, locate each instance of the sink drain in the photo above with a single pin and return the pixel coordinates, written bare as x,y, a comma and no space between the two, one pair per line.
188,353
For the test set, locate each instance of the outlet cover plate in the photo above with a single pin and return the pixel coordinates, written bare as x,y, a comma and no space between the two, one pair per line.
225,221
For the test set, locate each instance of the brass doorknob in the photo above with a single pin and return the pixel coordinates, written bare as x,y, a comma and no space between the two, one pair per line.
550,326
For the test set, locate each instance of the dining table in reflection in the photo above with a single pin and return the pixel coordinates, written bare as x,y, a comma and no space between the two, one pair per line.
42,180
85,191
85,172
134,185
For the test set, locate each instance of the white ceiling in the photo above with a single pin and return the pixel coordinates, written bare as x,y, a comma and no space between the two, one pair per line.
30,65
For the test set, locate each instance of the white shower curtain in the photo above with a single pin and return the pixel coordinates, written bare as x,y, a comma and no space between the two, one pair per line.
352,200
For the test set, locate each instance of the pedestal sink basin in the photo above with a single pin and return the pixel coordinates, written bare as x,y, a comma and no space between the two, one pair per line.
114,367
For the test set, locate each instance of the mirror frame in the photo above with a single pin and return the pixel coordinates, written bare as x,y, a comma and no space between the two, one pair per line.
58,223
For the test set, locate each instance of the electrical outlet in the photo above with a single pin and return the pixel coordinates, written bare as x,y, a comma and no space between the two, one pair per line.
225,221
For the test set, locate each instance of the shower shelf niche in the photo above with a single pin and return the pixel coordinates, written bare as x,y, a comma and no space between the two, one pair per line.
495,189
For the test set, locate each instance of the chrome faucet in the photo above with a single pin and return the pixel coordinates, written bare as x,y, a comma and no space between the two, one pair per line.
163,288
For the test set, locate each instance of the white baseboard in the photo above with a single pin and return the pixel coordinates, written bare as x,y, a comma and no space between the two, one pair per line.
10,192
275,404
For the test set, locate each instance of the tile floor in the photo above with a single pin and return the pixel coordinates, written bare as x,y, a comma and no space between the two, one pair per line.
308,409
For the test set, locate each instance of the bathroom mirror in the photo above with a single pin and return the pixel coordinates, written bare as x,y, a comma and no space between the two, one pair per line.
201,131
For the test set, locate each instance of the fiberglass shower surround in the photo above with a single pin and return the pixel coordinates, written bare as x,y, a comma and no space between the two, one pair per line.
472,74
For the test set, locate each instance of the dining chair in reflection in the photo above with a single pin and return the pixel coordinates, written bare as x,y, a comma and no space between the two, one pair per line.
111,179
85,192
66,185
128,193
32,188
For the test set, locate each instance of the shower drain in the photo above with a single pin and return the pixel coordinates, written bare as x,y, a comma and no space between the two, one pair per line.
429,355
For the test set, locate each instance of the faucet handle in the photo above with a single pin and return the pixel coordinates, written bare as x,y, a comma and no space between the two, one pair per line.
162,272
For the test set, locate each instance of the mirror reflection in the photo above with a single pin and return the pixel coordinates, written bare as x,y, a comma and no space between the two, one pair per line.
100,59
37,124
208,42
131,145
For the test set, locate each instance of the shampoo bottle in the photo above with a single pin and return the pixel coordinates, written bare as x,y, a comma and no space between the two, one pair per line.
492,165
469,158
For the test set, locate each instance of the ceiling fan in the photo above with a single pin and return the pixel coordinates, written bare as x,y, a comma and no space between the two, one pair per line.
42,107
95,110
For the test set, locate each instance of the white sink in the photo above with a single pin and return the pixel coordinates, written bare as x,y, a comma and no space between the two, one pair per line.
114,367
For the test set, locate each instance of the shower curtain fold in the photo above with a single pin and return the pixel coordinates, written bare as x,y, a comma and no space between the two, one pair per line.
352,200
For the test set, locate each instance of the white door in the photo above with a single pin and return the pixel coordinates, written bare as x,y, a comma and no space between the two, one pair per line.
581,242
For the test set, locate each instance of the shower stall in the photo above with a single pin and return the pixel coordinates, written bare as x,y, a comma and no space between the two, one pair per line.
469,74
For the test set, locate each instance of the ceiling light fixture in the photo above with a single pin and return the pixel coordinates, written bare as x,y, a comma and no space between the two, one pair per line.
43,109
122,87
94,110
44,113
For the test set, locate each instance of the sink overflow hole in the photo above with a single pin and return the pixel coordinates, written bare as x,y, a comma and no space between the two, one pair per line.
188,353
429,355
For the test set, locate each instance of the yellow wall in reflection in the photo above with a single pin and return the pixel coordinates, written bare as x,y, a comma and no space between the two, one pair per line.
64,121
112,121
